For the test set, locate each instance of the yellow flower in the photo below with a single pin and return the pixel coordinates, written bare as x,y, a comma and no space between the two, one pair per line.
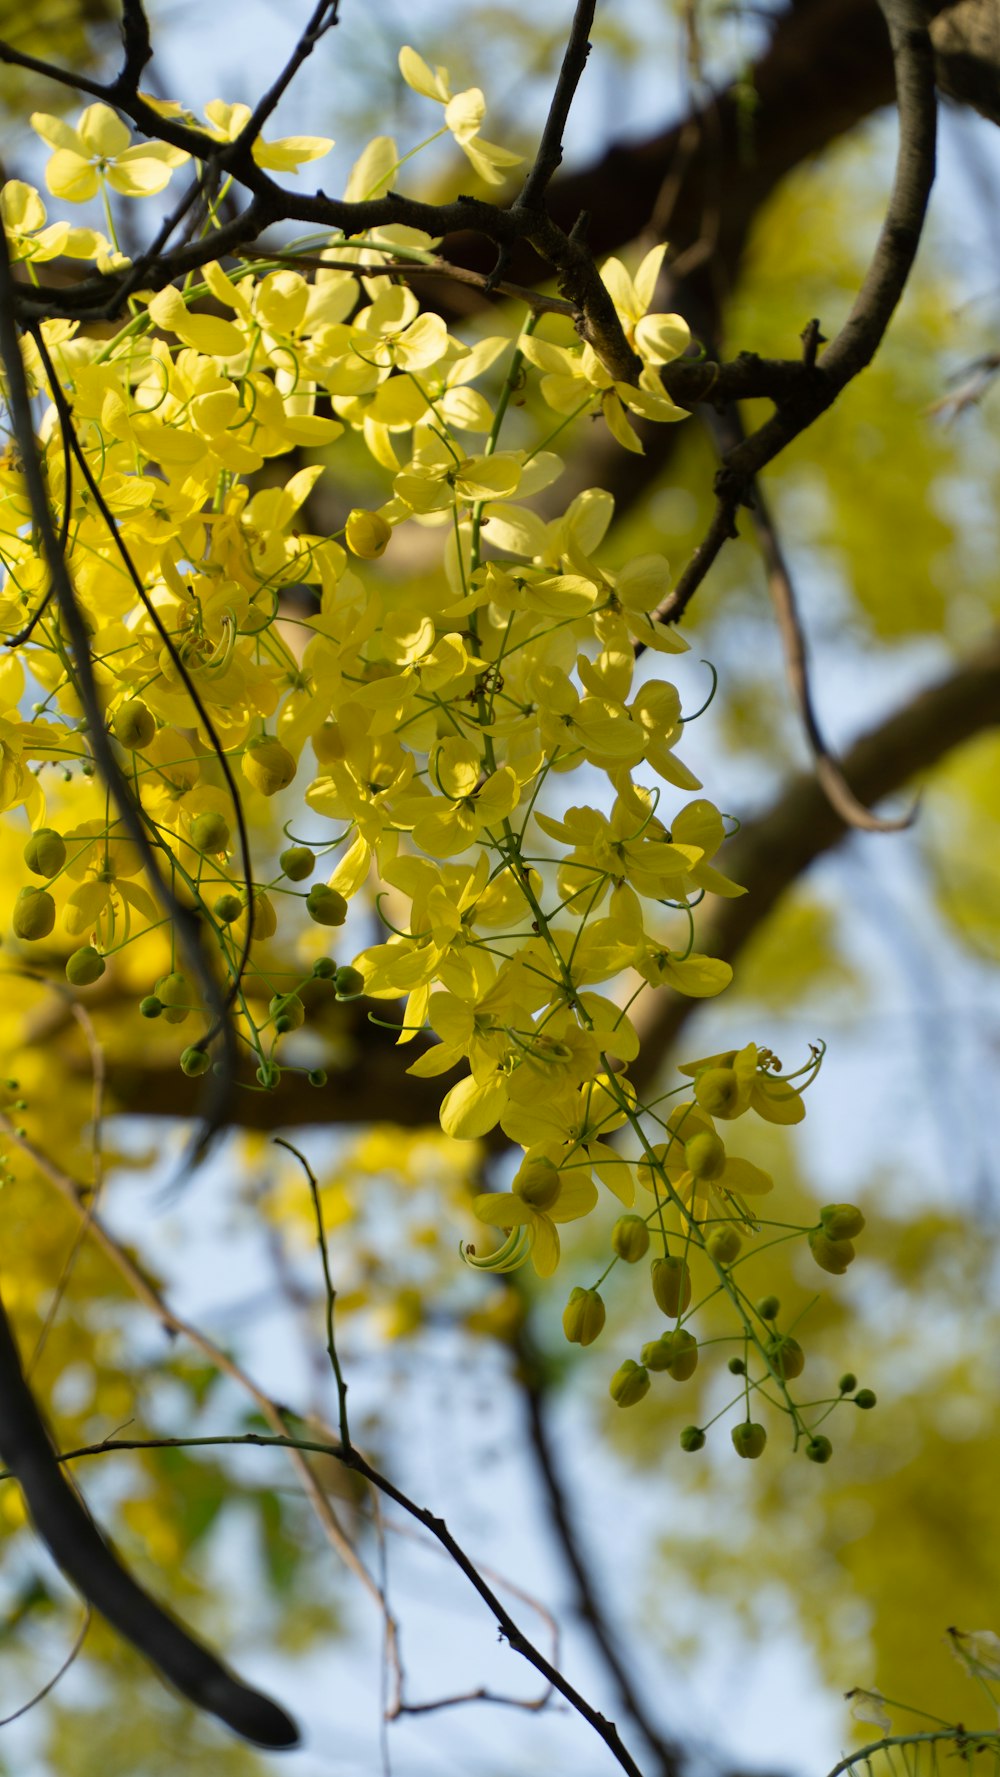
463,114
99,151
701,1172
541,1196
225,123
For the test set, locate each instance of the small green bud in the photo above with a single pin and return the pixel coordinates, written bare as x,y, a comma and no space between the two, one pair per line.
705,1155
692,1438
325,905
749,1439
289,1009
724,1245
865,1399
349,982
175,995
195,1061
830,1255
269,1074
133,724
297,862
680,1350
317,1076
34,914
769,1308
268,766
151,1006
655,1355
736,1367
630,1239
583,1316
45,852
210,832
671,1285
841,1221
848,1382
786,1357
227,908
819,1449
629,1383
324,968
718,1091
85,966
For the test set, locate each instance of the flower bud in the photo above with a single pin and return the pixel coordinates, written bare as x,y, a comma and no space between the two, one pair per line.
671,1285
705,1155
210,832
583,1316
749,1439
538,1183
151,1006
785,1356
133,724
629,1383
85,966
630,1239
841,1221
227,908
317,1076
175,997
297,862
268,766
724,1245
819,1449
830,1255
325,905
289,1008
45,852
718,1091
681,1350
848,1382
865,1399
34,914
769,1308
367,533
349,982
195,1061
324,968
692,1438
736,1367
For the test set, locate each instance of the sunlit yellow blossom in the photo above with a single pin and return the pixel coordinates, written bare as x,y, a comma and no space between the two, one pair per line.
100,149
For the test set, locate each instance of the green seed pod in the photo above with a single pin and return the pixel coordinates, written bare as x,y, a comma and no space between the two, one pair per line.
865,1399
325,905
349,982
288,1007
681,1350
629,1383
841,1221
195,1061
45,852
705,1155
324,968
151,1007
297,862
268,766
718,1091
133,724
34,914
786,1357
583,1316
848,1382
537,1182
367,533
85,966
724,1245
692,1438
819,1449
769,1308
210,832
317,1076
736,1367
749,1439
830,1255
227,908
630,1239
175,997
671,1285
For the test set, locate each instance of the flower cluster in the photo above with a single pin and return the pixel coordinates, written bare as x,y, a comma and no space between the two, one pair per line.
429,722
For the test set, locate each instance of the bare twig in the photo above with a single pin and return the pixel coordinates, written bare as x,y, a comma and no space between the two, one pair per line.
550,148
60,1672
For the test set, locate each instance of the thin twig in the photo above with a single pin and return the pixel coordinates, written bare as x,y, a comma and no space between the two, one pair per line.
550,148
60,1672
